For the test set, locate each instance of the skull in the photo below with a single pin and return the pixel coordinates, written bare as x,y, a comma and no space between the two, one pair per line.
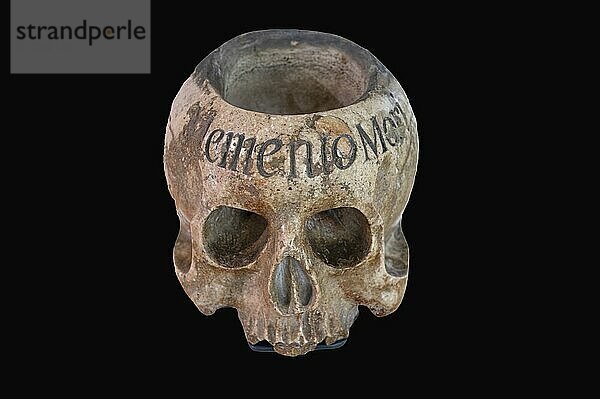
291,156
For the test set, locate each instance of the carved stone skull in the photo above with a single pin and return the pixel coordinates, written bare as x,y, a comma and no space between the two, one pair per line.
291,156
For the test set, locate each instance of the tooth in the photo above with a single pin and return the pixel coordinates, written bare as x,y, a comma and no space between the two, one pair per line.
305,325
260,326
278,328
271,334
285,332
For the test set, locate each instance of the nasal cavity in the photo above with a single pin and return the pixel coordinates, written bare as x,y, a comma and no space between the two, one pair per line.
291,288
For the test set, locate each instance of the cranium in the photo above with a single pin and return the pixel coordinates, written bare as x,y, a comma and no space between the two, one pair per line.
291,156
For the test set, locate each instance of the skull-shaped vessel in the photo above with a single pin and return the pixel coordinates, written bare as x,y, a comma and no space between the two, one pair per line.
291,156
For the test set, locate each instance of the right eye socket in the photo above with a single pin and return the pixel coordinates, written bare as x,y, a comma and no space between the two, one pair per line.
234,237
340,237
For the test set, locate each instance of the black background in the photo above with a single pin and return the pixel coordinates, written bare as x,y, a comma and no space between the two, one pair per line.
97,224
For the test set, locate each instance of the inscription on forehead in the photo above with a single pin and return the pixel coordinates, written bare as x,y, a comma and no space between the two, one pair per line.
239,152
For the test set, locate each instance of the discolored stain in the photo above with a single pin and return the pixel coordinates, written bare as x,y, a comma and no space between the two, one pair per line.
276,163
331,125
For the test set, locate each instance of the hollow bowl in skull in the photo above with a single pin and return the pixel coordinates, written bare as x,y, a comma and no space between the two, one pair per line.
291,156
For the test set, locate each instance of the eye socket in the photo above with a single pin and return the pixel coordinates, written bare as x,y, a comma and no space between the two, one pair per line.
340,237
234,237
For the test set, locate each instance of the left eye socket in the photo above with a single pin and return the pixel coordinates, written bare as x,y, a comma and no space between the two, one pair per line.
234,237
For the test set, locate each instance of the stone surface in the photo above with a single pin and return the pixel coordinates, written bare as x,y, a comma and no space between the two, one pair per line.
291,156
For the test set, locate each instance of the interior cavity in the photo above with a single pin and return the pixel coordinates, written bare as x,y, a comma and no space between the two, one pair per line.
298,79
